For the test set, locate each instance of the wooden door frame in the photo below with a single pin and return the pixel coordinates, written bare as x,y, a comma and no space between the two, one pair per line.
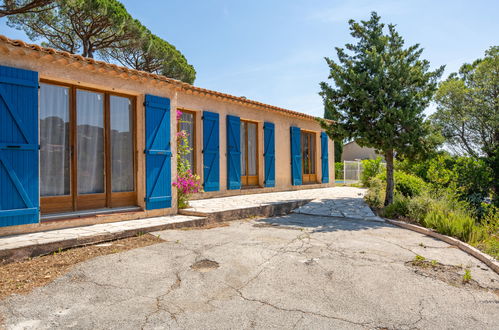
194,137
108,199
312,138
250,180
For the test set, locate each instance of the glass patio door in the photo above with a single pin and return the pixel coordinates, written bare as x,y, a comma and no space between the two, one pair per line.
90,170
86,149
55,148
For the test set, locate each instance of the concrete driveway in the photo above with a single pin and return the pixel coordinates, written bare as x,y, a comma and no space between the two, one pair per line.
296,271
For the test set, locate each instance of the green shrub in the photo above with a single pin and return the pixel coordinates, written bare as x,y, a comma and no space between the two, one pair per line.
338,171
399,207
375,196
407,184
439,170
370,169
473,182
450,222
487,234
418,207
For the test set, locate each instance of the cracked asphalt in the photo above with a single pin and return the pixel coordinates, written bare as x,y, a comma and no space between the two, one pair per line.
295,271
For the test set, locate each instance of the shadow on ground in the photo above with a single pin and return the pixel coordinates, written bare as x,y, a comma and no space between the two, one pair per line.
320,223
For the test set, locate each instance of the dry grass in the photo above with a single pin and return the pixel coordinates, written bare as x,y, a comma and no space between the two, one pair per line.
207,226
22,277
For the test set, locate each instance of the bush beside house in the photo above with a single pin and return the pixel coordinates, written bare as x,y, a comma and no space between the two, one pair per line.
451,198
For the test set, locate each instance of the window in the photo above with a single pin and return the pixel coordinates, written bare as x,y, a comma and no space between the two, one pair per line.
86,149
55,168
187,123
122,144
249,158
308,157
90,142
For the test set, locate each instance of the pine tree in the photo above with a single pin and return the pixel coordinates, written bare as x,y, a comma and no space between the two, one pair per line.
380,92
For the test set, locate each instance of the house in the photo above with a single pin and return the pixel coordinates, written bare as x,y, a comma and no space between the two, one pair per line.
352,151
84,142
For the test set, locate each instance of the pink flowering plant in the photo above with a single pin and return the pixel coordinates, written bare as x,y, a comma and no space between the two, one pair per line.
187,183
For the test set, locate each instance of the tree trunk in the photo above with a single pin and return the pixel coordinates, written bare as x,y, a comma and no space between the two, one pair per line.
90,52
389,177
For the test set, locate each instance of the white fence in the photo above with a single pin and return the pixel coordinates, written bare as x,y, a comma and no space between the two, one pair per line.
352,170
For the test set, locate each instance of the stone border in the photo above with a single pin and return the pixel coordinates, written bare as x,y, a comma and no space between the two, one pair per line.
483,257
38,249
35,250
267,210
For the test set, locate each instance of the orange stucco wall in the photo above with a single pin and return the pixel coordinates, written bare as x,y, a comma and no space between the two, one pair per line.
282,140
65,70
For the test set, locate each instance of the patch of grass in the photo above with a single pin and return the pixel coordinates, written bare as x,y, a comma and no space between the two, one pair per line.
207,226
451,222
442,211
375,196
418,260
398,208
467,276
21,277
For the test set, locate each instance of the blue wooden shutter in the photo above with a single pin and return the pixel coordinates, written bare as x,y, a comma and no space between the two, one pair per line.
324,158
233,152
19,179
211,151
296,171
158,153
269,153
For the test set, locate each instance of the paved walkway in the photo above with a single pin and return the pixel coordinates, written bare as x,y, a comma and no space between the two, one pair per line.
345,202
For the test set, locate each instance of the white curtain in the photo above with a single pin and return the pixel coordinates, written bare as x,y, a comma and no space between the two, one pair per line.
243,149
252,149
90,142
187,124
122,178
54,141
312,154
304,146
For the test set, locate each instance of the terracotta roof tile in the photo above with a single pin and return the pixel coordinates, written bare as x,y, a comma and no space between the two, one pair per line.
177,83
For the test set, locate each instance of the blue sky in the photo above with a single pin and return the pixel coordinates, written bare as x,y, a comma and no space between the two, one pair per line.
273,51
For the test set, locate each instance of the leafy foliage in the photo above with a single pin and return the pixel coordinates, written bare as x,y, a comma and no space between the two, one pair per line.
468,107
84,26
338,149
375,196
370,169
399,207
381,90
338,171
102,28
444,202
407,184
468,111
450,222
152,54
470,179
14,7
187,183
